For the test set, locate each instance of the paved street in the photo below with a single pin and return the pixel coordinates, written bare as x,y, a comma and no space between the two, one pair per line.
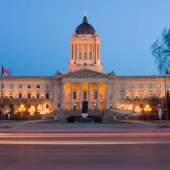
84,149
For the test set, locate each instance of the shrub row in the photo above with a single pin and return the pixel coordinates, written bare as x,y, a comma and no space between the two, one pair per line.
143,117
21,117
73,118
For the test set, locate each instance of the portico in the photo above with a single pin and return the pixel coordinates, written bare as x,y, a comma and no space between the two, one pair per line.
74,93
85,85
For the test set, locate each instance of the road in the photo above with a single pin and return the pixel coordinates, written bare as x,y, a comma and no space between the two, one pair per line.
82,150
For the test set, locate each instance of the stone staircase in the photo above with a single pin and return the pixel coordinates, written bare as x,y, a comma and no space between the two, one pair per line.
107,114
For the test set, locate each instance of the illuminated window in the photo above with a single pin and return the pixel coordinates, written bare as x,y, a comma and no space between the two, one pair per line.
47,106
47,96
84,94
20,95
74,95
38,96
29,95
11,96
95,94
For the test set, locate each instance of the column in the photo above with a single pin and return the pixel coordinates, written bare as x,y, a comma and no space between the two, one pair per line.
80,95
71,96
98,95
73,51
107,97
87,51
63,96
89,95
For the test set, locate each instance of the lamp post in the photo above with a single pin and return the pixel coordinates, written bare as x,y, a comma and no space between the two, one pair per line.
22,108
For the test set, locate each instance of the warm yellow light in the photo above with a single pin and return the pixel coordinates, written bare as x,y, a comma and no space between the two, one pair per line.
32,107
147,106
149,109
22,105
74,104
19,108
137,107
24,109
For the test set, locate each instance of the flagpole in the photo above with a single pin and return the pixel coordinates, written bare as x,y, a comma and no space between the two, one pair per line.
1,100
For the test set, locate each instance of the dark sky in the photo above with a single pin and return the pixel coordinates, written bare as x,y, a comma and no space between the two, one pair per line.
35,34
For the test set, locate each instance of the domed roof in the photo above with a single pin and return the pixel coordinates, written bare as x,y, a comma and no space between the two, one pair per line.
85,28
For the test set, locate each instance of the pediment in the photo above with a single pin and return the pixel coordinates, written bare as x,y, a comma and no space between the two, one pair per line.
85,73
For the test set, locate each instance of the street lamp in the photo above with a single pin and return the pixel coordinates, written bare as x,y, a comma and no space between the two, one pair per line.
22,108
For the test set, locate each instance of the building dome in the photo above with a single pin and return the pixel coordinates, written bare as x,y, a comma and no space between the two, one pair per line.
85,28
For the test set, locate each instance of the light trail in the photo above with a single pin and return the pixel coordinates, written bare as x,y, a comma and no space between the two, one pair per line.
91,135
33,142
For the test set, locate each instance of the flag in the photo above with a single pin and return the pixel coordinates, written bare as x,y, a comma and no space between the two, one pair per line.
167,71
5,71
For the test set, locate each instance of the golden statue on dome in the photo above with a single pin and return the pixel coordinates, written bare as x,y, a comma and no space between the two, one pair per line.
85,12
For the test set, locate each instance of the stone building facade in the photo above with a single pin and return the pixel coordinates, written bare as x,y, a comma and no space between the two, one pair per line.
84,81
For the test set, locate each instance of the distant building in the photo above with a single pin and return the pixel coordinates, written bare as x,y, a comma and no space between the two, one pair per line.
84,81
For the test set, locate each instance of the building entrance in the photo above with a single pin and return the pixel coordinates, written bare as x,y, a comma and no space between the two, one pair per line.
85,106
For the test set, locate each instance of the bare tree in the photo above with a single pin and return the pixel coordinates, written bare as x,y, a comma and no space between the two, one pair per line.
161,51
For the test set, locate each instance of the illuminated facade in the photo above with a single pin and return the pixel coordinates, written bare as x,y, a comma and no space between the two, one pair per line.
84,81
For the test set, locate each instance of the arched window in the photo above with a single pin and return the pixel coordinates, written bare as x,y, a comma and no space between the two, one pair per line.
47,106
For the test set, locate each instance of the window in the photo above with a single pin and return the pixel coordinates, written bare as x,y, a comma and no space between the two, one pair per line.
84,94
74,95
11,86
158,96
29,86
141,86
90,56
149,85
38,86
47,96
95,94
20,86
158,86
38,96
58,96
47,86
122,96
29,96
79,55
141,96
47,106
122,86
132,96
85,56
20,96
131,86
11,96
3,86
149,95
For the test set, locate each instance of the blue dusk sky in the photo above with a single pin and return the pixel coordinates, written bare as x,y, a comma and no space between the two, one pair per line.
35,34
